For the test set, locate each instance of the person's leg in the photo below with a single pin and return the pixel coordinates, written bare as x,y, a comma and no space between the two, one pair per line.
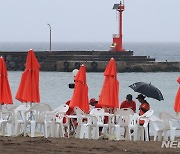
148,132
100,131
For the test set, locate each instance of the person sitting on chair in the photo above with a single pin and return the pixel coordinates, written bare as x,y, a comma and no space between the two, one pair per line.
128,103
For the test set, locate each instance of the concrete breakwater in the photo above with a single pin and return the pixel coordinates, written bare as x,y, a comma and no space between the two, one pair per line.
95,61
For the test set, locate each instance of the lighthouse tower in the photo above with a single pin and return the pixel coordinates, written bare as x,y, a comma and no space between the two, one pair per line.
117,38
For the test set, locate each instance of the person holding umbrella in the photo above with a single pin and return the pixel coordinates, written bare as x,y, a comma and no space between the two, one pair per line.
143,108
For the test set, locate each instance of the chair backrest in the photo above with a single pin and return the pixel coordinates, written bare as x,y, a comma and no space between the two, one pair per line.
38,112
12,109
59,113
166,119
23,107
123,116
146,117
133,120
61,109
97,111
147,114
124,112
5,116
78,111
156,122
79,114
91,120
20,111
99,114
40,107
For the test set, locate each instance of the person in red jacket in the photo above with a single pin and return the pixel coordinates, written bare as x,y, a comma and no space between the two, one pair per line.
143,108
128,103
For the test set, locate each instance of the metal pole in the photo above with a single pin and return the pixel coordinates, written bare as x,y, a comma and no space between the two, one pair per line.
49,36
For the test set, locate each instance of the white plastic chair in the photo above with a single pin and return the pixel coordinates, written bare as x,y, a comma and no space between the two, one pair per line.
61,127
144,128
169,125
11,125
122,117
36,116
133,126
56,121
19,118
89,127
87,124
79,114
158,127
99,113
5,119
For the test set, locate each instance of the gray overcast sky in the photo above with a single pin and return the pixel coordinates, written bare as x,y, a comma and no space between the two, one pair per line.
88,20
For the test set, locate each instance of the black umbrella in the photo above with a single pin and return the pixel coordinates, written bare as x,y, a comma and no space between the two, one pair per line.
147,89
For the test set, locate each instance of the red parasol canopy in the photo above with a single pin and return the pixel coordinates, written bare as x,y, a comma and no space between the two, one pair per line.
5,92
80,95
28,90
177,99
109,96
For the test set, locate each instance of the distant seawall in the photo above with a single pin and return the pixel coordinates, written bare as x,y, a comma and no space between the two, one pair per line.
95,61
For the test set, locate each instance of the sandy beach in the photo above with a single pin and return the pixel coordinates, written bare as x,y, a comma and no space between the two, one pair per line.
27,145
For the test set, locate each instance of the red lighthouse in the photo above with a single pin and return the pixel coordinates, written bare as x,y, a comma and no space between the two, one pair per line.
117,38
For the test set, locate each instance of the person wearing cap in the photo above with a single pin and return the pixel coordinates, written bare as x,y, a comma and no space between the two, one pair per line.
143,108
128,103
94,103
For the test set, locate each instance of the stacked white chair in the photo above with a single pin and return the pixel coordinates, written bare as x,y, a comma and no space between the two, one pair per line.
169,125
11,124
20,118
158,127
133,126
122,117
36,116
5,119
99,113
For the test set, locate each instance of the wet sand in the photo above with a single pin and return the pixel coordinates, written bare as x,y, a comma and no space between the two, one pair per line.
27,145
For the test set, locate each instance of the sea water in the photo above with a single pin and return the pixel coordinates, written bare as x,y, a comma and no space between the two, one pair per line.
54,88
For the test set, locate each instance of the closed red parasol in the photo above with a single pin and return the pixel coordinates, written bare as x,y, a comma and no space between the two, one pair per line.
28,90
177,99
109,96
5,92
80,95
